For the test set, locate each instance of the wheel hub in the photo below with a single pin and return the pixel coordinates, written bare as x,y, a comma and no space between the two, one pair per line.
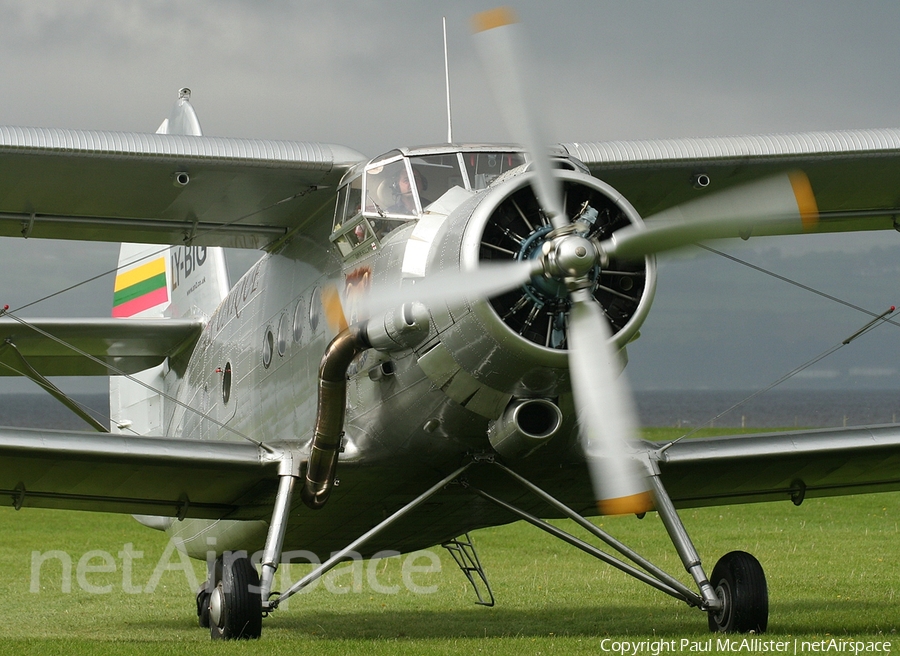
723,592
217,606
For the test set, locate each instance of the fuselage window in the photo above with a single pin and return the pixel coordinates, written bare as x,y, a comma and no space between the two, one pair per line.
315,302
299,318
268,347
226,383
283,329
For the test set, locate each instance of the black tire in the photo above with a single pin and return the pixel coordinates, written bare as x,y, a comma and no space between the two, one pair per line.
203,605
235,607
740,583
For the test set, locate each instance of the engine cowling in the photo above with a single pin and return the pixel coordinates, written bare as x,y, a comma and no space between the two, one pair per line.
515,343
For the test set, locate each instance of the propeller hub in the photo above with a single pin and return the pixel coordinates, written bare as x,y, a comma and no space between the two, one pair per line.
571,256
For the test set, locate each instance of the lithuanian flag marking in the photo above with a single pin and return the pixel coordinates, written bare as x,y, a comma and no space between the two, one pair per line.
140,288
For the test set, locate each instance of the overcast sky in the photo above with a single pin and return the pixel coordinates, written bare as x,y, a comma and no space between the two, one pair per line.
369,75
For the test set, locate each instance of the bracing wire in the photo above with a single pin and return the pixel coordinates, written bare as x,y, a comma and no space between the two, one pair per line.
793,282
877,320
119,372
874,323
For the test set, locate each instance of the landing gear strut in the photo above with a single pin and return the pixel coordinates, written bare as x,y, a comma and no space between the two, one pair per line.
735,597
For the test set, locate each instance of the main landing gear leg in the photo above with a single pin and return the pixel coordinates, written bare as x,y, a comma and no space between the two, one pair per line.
340,556
235,597
736,597
683,545
275,538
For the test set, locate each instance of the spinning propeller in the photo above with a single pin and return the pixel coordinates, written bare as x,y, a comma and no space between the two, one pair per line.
607,420
606,415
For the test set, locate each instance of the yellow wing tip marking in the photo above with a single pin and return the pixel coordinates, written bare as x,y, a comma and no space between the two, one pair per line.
497,17
806,200
633,504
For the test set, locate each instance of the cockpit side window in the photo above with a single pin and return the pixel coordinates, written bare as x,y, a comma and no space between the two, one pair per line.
340,207
389,192
354,198
484,168
351,232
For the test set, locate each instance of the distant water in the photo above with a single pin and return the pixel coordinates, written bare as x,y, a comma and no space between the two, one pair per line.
43,411
686,409
774,409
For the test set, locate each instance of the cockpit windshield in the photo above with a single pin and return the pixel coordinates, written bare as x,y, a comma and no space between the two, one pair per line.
394,189
484,168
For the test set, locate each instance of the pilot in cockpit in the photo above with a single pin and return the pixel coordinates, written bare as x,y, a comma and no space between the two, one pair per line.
404,201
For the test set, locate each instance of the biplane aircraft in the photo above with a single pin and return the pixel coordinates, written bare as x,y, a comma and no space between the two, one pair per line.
432,342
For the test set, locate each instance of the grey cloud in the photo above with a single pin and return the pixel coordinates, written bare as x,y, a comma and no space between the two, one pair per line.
370,75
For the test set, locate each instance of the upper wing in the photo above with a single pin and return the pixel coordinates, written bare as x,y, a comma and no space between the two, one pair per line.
123,186
855,175
779,466
153,476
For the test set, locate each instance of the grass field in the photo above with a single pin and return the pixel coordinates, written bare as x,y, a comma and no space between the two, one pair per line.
832,567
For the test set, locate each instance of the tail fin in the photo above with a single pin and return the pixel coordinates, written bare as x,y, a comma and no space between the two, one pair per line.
158,282
180,282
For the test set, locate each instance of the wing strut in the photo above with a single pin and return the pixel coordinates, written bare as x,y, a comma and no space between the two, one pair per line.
339,556
25,369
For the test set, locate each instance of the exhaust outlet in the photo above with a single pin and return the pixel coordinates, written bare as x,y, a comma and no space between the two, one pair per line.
526,425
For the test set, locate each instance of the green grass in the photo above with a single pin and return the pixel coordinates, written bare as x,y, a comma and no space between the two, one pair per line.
832,567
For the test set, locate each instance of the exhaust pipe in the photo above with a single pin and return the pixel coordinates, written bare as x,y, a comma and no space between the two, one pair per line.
526,425
326,442
401,328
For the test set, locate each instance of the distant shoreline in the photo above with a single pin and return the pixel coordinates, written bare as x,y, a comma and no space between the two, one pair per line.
660,408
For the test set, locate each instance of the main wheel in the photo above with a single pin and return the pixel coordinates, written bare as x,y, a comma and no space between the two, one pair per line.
203,596
740,583
235,607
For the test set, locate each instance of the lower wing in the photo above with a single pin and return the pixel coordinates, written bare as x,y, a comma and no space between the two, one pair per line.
778,466
136,475
206,479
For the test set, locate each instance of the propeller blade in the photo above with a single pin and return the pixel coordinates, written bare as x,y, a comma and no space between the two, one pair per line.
784,202
606,413
452,287
500,44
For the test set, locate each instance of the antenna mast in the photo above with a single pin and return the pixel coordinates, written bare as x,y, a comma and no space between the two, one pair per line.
447,84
